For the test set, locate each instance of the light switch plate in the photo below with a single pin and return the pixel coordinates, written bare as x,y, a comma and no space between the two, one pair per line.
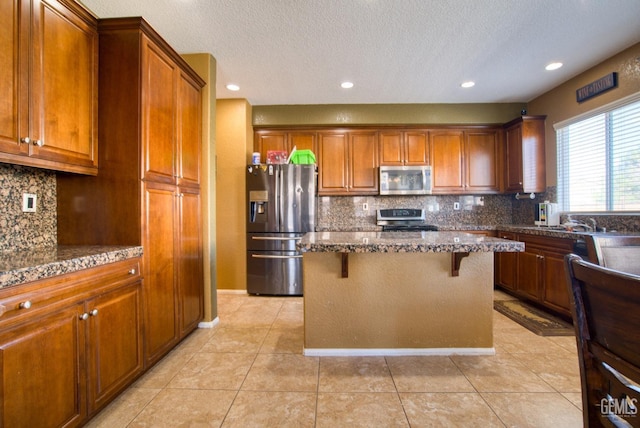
29,202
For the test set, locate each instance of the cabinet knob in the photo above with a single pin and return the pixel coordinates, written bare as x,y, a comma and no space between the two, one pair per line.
93,313
84,316
38,143
25,140
132,271
25,305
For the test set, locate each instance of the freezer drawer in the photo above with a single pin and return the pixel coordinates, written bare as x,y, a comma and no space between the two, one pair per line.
272,241
274,273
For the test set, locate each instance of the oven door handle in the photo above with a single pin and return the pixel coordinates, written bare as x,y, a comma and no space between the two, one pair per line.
260,256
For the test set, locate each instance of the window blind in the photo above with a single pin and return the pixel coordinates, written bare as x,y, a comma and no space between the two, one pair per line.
599,161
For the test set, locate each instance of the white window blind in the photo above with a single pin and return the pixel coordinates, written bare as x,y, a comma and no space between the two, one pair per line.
599,161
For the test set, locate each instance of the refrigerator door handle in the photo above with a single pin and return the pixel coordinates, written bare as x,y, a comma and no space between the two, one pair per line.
260,256
281,199
276,238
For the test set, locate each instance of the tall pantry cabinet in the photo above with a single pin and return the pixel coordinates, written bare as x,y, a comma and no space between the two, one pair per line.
147,191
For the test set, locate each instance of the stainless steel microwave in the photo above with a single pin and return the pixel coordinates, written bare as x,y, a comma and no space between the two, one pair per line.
405,180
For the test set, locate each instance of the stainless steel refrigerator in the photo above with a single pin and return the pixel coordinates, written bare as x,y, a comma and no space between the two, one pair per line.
281,208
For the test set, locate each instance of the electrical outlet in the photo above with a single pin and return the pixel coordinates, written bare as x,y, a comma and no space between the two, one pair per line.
29,202
456,206
365,207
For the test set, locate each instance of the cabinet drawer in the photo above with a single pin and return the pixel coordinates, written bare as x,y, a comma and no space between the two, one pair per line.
32,299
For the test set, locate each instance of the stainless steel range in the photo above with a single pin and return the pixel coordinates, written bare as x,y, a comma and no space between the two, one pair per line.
403,219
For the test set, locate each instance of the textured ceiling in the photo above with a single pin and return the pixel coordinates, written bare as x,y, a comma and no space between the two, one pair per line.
395,51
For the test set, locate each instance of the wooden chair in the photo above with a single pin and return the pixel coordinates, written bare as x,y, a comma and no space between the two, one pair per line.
617,252
605,305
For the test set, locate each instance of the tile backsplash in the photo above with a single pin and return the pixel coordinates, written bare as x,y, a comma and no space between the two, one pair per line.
20,230
24,231
342,213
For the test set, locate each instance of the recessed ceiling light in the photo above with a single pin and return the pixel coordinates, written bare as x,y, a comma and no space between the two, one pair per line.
553,66
346,85
233,87
468,84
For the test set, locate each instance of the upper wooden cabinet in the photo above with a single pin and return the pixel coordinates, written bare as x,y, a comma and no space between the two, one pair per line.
465,161
347,163
48,75
482,161
171,117
404,147
447,161
267,140
525,155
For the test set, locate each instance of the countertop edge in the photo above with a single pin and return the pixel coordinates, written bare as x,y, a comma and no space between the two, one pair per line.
403,242
62,260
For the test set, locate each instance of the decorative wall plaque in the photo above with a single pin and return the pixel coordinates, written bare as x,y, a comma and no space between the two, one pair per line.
601,85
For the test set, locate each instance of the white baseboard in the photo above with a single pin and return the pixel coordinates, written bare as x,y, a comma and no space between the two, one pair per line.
230,291
209,324
393,352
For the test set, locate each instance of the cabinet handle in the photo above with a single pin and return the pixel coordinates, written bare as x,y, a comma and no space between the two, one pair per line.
93,313
132,272
25,140
84,316
25,305
38,143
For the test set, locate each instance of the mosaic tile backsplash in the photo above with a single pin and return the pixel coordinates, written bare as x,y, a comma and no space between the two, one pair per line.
23,231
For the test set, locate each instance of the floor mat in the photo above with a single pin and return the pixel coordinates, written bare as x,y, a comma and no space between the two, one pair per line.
536,320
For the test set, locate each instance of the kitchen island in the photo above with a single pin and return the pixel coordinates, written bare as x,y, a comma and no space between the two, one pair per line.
399,293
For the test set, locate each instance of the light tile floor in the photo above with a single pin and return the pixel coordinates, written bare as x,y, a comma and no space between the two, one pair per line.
249,371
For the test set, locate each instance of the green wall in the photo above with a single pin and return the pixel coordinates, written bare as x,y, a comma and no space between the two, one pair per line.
385,114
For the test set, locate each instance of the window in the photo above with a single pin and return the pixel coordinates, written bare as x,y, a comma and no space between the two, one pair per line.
599,159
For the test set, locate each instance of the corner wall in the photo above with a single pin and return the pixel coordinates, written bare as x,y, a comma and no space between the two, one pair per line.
234,146
560,103
205,66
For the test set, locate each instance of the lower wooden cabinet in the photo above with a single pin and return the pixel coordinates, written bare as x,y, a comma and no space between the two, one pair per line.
69,344
41,371
537,274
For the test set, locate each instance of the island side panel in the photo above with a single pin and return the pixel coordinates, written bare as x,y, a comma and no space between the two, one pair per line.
398,300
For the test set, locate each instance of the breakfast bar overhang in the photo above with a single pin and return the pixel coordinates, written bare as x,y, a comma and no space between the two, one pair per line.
399,293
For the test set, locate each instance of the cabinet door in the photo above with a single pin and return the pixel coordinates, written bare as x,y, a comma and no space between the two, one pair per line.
67,66
302,141
114,343
506,265
447,161
416,148
529,273
513,137
159,92
556,294
159,269
481,160
363,162
14,105
269,140
190,280
40,370
332,163
390,148
189,131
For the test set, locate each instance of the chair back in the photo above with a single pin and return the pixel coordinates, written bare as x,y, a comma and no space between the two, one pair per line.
605,305
619,252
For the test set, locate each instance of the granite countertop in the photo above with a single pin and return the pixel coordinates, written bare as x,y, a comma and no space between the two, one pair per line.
404,242
18,267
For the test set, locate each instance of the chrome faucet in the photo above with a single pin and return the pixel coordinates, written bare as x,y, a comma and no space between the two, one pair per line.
594,224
